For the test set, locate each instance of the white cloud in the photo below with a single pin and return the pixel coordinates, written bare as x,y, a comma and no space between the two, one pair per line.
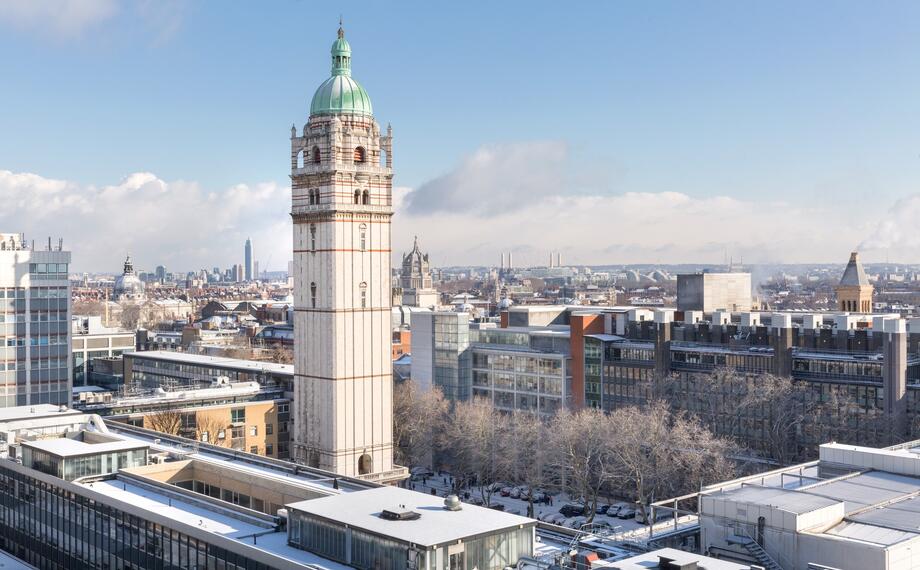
897,232
495,178
519,197
178,224
57,17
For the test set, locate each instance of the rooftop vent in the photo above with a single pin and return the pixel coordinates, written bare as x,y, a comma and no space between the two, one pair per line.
401,513
452,503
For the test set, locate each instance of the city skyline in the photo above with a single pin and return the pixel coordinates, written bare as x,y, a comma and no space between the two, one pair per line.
772,141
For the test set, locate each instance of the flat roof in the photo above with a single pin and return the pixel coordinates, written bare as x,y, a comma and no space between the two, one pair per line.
215,361
650,560
361,509
36,411
791,501
67,447
213,519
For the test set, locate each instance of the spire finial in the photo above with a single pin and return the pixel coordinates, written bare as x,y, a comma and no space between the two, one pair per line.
341,29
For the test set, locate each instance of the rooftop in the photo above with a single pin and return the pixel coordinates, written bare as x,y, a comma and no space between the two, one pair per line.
71,447
215,361
436,525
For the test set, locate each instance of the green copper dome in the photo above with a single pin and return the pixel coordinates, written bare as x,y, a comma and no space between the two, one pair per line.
340,93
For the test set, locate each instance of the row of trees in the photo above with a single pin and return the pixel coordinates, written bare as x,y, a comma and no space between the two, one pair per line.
637,453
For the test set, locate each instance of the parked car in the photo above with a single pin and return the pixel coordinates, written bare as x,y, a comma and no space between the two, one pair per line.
573,509
626,513
601,509
515,493
497,507
615,509
539,497
575,522
505,491
496,487
556,518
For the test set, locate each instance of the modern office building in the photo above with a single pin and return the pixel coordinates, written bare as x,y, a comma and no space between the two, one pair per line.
440,348
80,491
248,262
35,363
611,357
515,368
91,340
342,178
709,292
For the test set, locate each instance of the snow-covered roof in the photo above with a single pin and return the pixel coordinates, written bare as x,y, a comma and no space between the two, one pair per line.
436,525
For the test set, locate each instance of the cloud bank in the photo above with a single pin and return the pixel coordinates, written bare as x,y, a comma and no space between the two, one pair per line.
177,224
514,197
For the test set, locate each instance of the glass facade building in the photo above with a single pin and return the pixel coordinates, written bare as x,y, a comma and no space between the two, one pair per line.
371,551
52,527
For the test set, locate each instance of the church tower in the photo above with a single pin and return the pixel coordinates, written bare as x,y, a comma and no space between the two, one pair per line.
342,203
854,293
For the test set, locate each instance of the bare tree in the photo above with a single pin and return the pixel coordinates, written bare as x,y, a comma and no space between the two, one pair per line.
88,308
657,453
474,440
418,418
207,429
528,454
580,451
168,421
130,316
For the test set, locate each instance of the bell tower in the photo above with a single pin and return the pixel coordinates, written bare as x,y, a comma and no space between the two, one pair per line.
341,174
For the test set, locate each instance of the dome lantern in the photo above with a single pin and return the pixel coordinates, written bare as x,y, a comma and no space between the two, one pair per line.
340,93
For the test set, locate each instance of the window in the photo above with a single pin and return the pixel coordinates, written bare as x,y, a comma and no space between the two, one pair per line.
313,295
237,415
365,464
269,429
357,196
269,449
300,159
254,450
365,198
360,155
312,237
222,434
363,288
363,237
316,155
253,430
205,437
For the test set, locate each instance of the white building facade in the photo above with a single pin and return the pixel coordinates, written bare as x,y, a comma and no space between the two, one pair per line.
342,204
35,365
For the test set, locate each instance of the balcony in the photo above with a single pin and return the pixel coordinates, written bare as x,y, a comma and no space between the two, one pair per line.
301,209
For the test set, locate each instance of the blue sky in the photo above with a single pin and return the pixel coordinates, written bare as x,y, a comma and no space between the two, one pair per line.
789,113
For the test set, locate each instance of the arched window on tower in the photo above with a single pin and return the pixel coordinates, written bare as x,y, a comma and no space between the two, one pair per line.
362,236
360,155
357,196
316,155
312,237
365,464
313,295
312,197
383,157
363,288
365,198
300,159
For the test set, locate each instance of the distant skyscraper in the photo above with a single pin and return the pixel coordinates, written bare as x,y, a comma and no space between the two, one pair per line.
161,273
255,271
248,273
35,338
342,185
